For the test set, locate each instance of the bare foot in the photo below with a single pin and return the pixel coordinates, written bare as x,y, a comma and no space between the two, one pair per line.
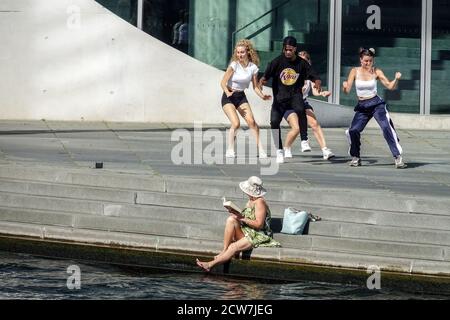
203,265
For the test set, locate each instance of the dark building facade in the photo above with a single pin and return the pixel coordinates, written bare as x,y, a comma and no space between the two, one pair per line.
410,36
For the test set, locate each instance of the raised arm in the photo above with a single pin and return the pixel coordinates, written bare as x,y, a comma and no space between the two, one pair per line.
347,85
226,77
390,85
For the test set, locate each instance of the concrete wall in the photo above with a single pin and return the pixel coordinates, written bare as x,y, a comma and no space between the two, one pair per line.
75,60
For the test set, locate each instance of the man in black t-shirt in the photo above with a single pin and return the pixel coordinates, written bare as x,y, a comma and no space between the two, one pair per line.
289,73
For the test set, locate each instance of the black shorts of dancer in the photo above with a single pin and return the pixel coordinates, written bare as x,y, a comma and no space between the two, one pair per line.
237,99
287,113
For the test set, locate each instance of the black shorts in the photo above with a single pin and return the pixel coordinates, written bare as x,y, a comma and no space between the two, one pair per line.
287,113
237,99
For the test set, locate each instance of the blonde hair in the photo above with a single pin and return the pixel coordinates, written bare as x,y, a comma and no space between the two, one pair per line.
251,52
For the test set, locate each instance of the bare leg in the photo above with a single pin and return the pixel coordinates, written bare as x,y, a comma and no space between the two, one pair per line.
231,234
317,129
230,111
238,246
246,112
295,129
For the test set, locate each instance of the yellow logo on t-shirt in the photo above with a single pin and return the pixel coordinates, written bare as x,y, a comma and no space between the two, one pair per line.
289,77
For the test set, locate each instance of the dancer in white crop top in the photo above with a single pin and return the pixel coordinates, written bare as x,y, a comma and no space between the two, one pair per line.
371,105
366,89
242,70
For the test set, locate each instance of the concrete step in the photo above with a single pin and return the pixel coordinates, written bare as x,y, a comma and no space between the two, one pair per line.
202,247
37,217
175,184
376,232
216,220
322,235
91,222
381,209
370,247
94,178
15,200
359,200
59,190
115,187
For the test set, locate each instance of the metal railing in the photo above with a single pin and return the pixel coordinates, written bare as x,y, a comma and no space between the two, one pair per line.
275,9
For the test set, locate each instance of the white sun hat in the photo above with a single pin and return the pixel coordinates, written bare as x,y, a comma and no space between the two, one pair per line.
253,187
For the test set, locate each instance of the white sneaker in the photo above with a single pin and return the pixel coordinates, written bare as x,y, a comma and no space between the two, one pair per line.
305,146
355,162
230,154
399,164
287,153
262,154
280,156
327,154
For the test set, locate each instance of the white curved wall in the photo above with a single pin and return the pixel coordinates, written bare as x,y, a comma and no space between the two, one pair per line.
57,64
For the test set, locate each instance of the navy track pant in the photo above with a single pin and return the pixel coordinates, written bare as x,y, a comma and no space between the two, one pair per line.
360,120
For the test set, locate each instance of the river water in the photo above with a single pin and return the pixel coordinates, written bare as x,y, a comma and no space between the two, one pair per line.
25,276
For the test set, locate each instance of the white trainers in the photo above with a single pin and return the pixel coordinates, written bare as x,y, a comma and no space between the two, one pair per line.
327,154
280,156
230,154
305,146
287,153
399,164
262,154
356,162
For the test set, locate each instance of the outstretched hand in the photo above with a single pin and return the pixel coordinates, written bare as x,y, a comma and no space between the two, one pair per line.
398,75
325,94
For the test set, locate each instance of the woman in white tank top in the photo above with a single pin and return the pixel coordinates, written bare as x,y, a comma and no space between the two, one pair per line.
371,105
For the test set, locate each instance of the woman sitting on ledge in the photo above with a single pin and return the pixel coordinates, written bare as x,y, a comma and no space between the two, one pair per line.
249,229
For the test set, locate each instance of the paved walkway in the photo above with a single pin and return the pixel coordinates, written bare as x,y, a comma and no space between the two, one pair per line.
147,149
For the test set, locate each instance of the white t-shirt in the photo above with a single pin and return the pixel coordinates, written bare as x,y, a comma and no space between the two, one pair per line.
242,77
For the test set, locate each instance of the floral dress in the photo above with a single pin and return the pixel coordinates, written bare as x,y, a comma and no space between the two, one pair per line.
261,237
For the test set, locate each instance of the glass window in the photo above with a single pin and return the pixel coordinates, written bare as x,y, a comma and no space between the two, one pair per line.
440,63
396,37
168,21
126,9
308,22
208,29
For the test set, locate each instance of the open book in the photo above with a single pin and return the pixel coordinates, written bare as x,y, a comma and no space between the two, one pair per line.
231,205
